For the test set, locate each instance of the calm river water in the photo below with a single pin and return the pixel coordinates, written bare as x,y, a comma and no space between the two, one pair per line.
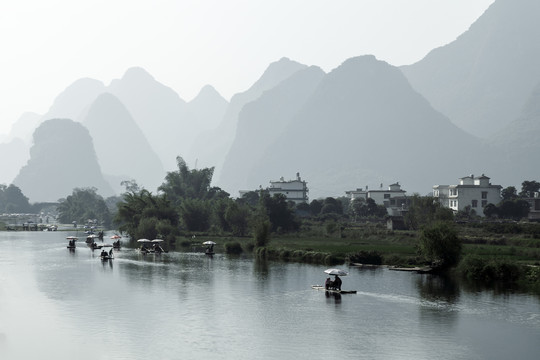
57,304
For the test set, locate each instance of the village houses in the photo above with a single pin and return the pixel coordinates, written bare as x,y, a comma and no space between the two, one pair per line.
471,192
393,198
294,190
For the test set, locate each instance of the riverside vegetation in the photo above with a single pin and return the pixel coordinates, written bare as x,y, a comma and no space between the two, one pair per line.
498,249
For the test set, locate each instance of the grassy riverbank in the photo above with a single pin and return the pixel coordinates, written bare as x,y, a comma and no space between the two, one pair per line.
491,252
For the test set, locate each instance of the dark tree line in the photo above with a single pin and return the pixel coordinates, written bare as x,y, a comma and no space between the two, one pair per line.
84,205
12,200
513,204
187,203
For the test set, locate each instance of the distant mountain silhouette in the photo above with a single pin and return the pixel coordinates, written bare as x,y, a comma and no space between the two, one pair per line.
365,125
122,149
158,110
206,110
260,123
517,147
15,148
75,99
24,127
13,155
61,159
211,147
482,79
71,103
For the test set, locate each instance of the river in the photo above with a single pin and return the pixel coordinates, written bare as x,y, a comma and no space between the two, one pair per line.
61,304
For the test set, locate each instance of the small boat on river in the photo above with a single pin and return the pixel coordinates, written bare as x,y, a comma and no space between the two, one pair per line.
209,247
71,242
106,255
321,287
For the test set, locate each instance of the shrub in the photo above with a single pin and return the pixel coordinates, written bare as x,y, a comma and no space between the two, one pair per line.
366,257
262,233
440,244
489,270
233,247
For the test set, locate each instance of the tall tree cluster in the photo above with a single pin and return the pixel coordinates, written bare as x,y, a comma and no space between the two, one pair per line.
513,205
12,200
82,205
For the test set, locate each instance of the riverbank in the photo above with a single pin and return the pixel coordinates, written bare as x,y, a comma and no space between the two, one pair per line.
491,252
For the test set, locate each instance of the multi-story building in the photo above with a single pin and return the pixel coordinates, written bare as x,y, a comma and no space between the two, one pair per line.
473,192
534,207
393,198
294,190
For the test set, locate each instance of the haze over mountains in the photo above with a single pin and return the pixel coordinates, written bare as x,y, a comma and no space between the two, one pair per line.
482,79
471,106
61,146
122,150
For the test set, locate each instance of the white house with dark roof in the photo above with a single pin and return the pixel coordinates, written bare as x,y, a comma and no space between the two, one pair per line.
393,198
294,190
472,191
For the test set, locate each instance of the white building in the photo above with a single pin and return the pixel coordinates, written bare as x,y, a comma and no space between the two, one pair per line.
393,198
294,190
534,207
475,192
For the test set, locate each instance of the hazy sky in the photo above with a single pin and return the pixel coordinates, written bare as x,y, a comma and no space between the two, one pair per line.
48,44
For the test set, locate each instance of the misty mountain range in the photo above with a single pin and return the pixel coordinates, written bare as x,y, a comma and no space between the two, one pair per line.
469,107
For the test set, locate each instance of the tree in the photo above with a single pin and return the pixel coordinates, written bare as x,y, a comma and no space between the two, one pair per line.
82,205
491,210
131,186
143,215
262,231
439,243
331,205
426,210
280,215
303,209
509,193
528,188
219,208
315,207
361,207
195,214
251,198
514,209
12,199
188,184
238,216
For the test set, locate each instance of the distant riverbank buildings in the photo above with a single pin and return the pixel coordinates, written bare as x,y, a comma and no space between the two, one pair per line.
294,190
471,192
393,198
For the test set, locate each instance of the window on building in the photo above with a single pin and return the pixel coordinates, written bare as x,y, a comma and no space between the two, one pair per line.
484,203
387,196
453,192
484,194
474,203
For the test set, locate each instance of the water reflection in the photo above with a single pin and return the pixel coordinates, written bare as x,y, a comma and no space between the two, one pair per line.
331,297
260,268
188,305
437,288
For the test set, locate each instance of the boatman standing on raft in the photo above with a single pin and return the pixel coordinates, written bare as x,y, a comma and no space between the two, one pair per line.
337,283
